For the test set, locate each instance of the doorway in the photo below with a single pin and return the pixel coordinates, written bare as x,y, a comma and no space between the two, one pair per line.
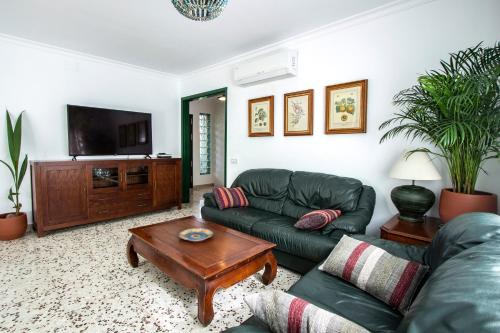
204,140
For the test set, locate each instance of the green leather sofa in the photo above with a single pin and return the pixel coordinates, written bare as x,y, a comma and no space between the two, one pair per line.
278,198
461,293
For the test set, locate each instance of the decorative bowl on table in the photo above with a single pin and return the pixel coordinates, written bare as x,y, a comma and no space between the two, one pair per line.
196,234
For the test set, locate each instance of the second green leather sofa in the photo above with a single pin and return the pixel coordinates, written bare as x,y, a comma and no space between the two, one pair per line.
461,293
278,198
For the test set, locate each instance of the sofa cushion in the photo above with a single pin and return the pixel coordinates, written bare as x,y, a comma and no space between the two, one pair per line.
352,222
286,313
461,295
266,189
389,278
292,210
303,243
321,191
355,222
317,219
230,197
335,295
461,233
241,219
405,251
209,200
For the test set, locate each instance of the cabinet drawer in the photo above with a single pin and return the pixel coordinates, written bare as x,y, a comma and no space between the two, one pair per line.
111,208
103,212
106,207
139,205
102,202
138,195
121,196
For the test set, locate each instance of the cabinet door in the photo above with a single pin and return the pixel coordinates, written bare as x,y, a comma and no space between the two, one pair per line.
65,194
105,177
166,187
137,175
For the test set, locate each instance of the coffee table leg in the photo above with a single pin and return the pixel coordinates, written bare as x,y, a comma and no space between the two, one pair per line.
270,269
133,260
205,306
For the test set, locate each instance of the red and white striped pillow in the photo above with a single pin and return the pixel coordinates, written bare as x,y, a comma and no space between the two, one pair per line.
317,219
285,313
230,197
391,279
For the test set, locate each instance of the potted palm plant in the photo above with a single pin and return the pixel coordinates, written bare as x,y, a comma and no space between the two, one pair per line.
13,225
456,109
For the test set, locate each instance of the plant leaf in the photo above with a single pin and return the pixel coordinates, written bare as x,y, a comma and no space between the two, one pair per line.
18,128
10,137
22,172
10,169
11,196
456,109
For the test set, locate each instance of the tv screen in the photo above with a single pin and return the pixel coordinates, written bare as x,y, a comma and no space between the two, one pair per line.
96,131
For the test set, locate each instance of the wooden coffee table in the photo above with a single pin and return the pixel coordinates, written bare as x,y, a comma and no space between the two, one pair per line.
219,262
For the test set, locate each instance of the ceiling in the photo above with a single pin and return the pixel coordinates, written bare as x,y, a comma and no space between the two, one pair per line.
150,33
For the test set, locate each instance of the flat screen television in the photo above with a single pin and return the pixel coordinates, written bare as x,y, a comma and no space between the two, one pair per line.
97,131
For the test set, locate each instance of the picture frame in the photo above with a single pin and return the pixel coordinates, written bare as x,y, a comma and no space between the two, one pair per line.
261,117
345,108
299,111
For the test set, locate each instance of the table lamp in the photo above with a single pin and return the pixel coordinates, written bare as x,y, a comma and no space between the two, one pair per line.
413,201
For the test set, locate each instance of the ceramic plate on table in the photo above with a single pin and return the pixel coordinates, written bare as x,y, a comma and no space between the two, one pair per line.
196,234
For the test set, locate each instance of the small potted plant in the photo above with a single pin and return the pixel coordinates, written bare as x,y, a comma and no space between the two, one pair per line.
457,110
13,225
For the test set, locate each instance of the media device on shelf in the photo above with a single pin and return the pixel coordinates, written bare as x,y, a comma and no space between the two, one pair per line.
98,131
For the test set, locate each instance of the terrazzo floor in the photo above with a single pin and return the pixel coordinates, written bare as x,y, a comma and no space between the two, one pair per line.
79,280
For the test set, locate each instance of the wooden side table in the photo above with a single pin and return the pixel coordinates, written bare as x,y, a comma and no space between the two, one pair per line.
415,233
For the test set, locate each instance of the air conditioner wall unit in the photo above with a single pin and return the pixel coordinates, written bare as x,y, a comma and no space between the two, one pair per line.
268,67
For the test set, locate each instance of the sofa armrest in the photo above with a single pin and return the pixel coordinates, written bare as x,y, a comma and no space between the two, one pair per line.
209,200
355,222
405,251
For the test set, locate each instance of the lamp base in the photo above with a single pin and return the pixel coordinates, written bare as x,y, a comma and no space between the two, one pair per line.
412,202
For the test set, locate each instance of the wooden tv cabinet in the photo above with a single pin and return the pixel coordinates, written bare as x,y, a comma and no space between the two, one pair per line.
70,193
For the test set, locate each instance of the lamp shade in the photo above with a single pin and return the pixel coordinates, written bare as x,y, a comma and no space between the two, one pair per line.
417,166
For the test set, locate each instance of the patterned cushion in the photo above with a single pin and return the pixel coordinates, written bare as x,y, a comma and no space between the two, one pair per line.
230,197
391,279
317,219
285,313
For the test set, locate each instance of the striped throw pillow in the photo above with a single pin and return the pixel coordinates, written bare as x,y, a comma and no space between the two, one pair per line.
391,279
317,219
230,197
285,313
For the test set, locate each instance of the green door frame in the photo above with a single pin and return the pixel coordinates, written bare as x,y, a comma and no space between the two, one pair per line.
185,145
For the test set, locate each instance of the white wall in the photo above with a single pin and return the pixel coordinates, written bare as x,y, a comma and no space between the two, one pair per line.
390,50
42,81
215,108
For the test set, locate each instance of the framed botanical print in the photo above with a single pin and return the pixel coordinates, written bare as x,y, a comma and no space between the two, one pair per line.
261,116
346,107
299,113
